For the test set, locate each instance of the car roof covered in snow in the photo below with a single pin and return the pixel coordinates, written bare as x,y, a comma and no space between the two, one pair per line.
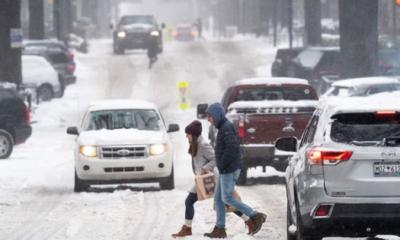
115,104
373,103
358,82
271,81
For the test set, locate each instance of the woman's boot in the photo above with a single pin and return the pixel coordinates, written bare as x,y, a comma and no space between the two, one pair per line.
185,231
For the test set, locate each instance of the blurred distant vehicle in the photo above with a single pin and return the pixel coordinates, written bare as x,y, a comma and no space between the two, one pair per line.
185,32
389,61
123,141
38,74
366,86
315,63
52,44
83,27
283,56
14,120
134,32
57,53
78,43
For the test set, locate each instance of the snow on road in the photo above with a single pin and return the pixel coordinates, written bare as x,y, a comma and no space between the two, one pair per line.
37,199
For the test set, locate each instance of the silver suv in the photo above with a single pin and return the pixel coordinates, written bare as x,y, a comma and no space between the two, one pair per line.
344,178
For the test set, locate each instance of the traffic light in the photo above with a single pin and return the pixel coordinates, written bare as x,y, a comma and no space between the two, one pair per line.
397,2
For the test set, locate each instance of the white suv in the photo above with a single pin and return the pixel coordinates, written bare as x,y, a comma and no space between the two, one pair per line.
123,141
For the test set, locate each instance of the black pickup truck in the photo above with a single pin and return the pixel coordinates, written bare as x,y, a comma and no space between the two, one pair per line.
14,121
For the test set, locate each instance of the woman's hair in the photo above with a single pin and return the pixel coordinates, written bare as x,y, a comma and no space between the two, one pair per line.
193,146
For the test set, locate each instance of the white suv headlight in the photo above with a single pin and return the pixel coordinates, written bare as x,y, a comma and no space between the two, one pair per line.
121,34
157,149
88,151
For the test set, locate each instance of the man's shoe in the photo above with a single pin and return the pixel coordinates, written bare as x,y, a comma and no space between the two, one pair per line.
250,225
216,233
258,221
185,231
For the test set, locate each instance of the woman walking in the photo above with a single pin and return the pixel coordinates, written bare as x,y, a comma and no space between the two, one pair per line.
203,161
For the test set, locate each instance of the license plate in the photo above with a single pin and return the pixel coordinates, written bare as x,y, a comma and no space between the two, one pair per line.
389,169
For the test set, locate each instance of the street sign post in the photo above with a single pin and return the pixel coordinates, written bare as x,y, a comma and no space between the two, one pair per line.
183,95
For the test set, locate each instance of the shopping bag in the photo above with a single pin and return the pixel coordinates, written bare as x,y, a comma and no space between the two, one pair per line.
205,185
229,208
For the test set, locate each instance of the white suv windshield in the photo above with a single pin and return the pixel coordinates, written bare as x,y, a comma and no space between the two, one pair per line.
142,119
364,127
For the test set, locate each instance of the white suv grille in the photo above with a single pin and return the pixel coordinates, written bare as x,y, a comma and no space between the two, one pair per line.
129,151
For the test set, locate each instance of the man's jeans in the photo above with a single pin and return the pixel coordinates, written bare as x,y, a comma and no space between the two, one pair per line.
223,195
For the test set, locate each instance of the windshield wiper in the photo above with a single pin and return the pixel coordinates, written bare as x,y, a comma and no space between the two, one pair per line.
365,143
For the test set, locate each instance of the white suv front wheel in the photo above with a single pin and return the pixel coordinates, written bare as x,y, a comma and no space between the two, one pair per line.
168,183
80,185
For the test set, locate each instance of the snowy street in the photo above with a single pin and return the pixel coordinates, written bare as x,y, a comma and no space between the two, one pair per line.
37,199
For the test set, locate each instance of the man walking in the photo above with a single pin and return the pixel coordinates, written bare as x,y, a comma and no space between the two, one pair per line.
227,155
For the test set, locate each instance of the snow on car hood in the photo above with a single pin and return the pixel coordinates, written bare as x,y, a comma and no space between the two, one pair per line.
121,137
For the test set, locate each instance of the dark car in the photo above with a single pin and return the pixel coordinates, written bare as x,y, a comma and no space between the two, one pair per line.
58,54
314,64
134,31
283,56
14,121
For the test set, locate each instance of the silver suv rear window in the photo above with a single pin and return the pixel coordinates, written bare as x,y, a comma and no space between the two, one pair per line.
364,128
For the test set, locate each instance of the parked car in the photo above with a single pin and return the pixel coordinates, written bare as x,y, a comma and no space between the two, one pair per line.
263,110
389,61
123,141
283,56
134,31
185,32
361,87
15,125
60,57
52,44
39,75
343,178
315,63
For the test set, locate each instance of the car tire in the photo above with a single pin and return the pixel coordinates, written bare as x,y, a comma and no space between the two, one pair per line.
6,144
44,93
242,177
168,183
79,185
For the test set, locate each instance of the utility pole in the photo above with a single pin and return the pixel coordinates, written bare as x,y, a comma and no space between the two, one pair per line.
10,41
312,17
275,22
358,37
290,22
62,19
36,19
394,13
